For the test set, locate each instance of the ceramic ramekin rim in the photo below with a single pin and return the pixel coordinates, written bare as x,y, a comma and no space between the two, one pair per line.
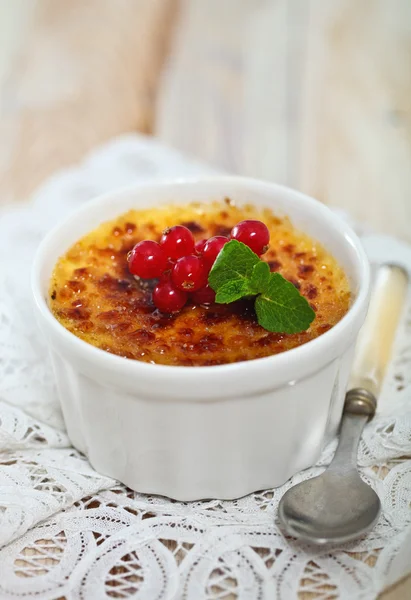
312,354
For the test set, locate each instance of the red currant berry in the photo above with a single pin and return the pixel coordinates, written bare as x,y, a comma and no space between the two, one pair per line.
205,295
147,260
177,241
199,247
212,249
167,298
189,274
253,234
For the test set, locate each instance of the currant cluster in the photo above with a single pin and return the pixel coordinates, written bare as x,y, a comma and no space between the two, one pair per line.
182,266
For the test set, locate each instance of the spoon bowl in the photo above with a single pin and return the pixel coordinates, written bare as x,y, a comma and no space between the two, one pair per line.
330,508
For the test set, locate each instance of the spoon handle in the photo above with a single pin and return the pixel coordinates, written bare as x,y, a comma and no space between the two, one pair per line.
345,457
372,355
373,351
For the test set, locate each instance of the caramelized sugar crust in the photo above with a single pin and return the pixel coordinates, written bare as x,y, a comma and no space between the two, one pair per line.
93,295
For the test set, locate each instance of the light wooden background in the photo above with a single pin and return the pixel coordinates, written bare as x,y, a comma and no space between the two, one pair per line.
311,93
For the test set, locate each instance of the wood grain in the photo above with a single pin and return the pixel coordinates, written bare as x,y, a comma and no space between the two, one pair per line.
85,72
311,94
359,120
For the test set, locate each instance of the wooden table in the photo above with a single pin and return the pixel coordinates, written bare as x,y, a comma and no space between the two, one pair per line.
312,94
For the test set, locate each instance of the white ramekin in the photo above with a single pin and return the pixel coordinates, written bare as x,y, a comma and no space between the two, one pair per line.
204,432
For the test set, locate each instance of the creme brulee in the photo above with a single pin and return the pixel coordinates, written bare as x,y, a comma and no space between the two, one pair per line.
93,295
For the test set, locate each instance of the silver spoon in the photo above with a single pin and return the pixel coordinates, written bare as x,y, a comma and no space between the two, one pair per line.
337,506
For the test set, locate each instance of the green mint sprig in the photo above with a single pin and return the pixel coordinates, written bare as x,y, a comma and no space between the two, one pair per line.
238,272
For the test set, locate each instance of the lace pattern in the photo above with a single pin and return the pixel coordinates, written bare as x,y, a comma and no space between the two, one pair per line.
68,532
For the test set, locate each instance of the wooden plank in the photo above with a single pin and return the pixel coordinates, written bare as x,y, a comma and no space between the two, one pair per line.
200,108
356,126
400,591
85,72
311,94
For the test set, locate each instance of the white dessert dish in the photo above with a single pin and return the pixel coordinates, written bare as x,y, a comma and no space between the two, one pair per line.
200,432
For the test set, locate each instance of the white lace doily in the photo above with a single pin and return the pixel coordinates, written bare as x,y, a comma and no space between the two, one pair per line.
68,532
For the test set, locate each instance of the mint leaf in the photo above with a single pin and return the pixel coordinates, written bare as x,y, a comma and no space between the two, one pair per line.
232,290
238,272
259,277
231,273
281,308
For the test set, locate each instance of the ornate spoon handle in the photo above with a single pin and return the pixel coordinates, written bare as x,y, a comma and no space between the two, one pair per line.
376,338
